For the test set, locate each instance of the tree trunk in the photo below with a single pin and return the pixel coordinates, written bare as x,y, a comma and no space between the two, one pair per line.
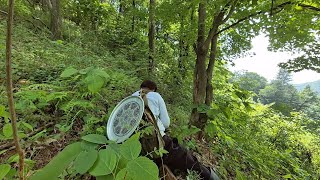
151,35
203,90
200,79
213,54
212,60
56,21
9,85
133,16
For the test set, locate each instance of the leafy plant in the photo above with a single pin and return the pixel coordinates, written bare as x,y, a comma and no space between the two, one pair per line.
102,158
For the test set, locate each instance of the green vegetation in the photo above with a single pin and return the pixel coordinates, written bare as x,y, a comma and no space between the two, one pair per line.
73,64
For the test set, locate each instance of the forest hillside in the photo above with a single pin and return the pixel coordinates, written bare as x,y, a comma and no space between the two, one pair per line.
73,61
315,86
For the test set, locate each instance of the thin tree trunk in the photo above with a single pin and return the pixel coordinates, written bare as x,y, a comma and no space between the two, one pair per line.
56,21
151,35
10,89
213,54
133,16
212,60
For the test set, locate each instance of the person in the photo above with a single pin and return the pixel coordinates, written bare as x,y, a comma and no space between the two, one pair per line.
178,157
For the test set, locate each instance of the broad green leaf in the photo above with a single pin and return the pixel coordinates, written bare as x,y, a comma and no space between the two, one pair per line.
107,160
59,163
68,72
106,177
101,73
6,116
143,168
85,161
86,70
13,158
2,110
95,138
95,83
27,125
87,146
4,169
123,174
131,148
11,173
7,130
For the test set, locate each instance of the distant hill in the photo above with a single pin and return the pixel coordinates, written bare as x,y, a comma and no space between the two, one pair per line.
315,86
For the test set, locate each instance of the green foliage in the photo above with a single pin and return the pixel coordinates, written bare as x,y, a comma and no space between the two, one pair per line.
95,138
105,163
250,81
131,148
141,168
253,141
102,163
85,161
59,163
4,169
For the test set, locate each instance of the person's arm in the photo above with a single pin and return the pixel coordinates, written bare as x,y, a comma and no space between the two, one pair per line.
164,117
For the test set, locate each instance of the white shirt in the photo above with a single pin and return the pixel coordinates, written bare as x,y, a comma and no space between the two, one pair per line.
159,110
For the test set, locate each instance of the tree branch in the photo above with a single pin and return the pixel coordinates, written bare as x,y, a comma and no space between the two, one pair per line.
233,7
9,85
309,7
3,12
281,6
217,21
212,32
253,15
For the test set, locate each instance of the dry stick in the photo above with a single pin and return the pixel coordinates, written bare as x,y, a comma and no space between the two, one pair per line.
10,89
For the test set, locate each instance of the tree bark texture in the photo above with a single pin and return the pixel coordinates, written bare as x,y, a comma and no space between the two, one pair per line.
55,21
151,35
10,89
203,90
199,79
212,59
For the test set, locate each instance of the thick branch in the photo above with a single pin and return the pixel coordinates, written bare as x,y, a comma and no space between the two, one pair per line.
218,20
232,8
215,25
10,89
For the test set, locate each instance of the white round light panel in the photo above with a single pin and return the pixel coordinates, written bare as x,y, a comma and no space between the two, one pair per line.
125,118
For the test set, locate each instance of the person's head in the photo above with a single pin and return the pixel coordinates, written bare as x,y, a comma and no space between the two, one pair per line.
147,84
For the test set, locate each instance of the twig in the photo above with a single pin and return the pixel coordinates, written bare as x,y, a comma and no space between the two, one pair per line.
3,12
10,89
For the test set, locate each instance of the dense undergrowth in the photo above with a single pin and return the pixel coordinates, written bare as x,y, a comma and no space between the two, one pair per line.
77,82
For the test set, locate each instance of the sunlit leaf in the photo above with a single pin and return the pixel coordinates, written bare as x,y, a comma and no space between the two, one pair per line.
95,138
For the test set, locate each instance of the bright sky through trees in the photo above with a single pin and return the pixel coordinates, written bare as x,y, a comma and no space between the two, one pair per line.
265,62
